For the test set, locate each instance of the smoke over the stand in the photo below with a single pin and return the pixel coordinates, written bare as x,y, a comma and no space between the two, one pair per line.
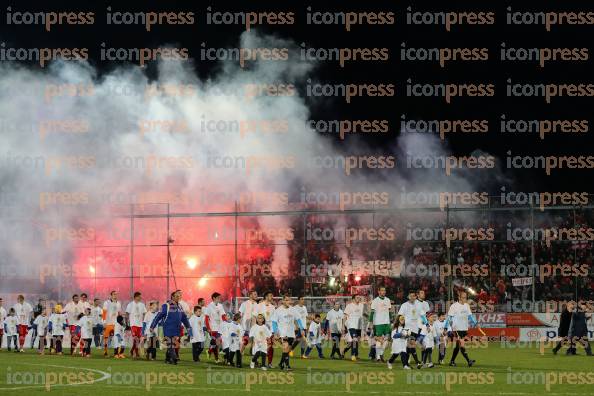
71,162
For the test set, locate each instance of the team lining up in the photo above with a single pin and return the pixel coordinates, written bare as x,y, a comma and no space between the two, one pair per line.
257,327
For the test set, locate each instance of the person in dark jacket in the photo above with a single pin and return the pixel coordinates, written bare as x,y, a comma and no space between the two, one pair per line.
563,331
37,310
578,330
171,317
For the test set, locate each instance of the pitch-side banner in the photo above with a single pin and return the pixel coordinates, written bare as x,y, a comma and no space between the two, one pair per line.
543,333
520,333
492,319
527,319
494,334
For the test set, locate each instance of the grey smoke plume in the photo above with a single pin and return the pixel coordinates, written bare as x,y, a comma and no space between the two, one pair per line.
91,143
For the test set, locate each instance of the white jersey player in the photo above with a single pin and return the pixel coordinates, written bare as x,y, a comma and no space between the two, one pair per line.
249,311
73,309
135,310
111,309
335,322
413,312
335,318
381,307
414,316
423,304
300,312
23,311
267,308
354,322
215,316
284,319
460,316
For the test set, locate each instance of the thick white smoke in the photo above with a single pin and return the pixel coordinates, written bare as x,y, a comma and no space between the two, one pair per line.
117,140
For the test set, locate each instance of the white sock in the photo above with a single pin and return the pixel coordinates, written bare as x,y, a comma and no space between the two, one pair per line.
379,351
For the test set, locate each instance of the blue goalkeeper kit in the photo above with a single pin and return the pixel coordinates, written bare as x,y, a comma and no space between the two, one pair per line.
171,317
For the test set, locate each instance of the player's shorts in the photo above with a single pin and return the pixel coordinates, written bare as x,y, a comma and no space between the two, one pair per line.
136,331
22,330
108,330
298,334
215,335
461,333
181,331
97,330
355,333
382,330
74,331
290,340
336,336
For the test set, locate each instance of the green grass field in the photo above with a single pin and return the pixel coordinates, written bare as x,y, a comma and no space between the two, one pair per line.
500,370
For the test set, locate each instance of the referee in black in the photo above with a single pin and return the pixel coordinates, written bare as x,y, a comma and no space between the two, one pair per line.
578,330
564,325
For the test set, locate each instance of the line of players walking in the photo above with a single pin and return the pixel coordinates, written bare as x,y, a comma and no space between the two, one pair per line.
265,324
258,326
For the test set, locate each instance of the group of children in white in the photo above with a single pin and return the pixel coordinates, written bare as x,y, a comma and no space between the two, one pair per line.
79,321
258,325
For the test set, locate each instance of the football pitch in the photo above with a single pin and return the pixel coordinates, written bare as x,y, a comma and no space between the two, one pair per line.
500,370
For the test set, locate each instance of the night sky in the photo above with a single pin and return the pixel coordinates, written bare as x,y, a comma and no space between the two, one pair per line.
391,71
